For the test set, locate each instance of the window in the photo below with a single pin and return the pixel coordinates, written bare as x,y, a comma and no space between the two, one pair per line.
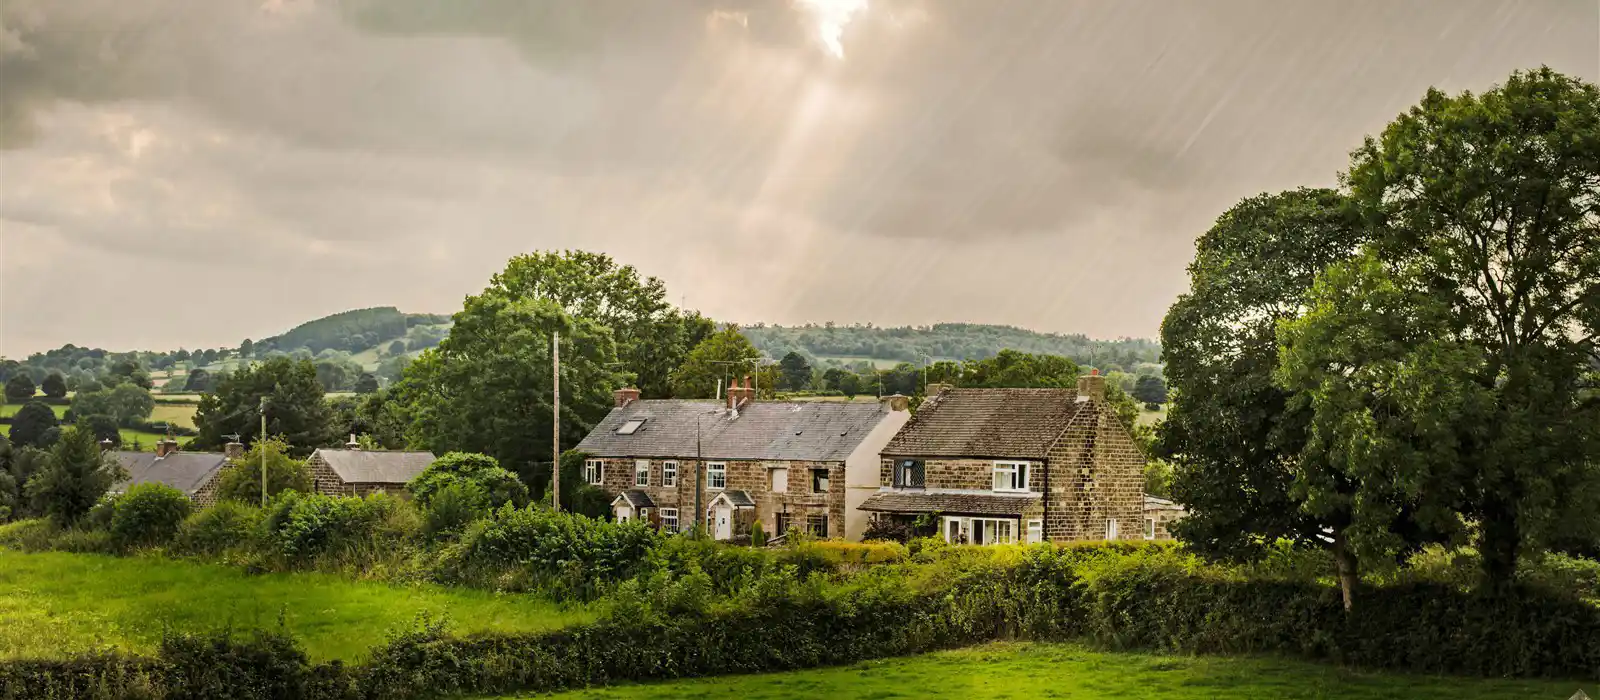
593,470
819,481
780,480
1149,528
669,475
980,530
1035,531
909,473
1111,529
1011,476
630,427
641,472
716,476
669,519
817,525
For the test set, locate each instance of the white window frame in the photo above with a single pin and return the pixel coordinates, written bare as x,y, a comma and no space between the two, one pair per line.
1013,469
967,525
779,485
594,471
638,472
1112,531
669,519
1149,528
715,472
669,473
1035,530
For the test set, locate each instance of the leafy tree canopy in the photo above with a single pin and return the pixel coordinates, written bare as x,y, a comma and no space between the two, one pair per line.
241,479
31,424
295,407
75,476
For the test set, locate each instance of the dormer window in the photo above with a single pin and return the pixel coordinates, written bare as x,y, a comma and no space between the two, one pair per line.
630,427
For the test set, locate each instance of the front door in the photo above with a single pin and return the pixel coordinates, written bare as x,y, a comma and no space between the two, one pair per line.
723,522
624,514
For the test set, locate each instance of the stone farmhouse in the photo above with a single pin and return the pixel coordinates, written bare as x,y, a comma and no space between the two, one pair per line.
356,472
193,473
780,464
989,466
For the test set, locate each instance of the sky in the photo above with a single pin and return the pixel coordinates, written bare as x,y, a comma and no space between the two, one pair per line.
196,172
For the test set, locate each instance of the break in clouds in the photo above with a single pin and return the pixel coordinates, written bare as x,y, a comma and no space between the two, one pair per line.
199,171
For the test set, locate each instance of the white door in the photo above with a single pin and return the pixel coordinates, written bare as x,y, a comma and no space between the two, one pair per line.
624,514
724,522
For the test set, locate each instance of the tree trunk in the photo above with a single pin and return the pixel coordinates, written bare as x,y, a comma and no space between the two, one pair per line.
1348,574
1498,546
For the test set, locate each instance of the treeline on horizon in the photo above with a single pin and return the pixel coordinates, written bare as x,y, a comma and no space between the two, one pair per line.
922,345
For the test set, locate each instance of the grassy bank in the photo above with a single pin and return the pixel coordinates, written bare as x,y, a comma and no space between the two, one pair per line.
55,604
1071,671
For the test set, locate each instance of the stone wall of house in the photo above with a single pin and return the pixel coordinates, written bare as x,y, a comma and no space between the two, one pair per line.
206,495
751,476
324,479
1164,517
1096,474
953,473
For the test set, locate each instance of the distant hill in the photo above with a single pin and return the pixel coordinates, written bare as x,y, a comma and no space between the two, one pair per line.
947,341
357,330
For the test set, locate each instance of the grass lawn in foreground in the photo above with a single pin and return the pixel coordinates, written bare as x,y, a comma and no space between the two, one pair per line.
1017,670
53,604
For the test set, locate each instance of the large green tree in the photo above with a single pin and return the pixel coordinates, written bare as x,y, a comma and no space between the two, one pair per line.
727,356
74,477
795,372
31,423
295,407
240,480
19,388
487,387
1486,218
651,337
1230,432
54,385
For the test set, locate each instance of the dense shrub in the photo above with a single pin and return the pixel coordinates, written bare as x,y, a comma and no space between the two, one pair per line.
482,471
450,509
298,530
241,479
565,553
148,514
217,529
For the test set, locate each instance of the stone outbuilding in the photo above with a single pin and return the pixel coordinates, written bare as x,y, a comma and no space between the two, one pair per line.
357,472
193,473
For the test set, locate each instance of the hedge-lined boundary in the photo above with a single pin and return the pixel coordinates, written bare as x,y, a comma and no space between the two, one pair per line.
783,624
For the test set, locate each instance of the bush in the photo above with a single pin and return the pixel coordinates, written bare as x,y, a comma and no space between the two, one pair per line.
217,529
241,479
482,471
301,530
148,514
566,553
451,508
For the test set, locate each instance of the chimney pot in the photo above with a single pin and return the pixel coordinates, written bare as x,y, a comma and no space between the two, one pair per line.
1092,387
626,396
166,447
233,450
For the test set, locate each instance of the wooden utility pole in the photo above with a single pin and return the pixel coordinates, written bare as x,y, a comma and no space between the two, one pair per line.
555,424
263,448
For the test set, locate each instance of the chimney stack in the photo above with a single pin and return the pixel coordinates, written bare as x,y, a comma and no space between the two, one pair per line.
352,444
233,450
626,396
740,392
897,402
1093,386
166,447
936,389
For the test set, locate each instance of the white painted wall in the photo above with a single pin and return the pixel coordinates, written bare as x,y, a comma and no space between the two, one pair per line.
861,472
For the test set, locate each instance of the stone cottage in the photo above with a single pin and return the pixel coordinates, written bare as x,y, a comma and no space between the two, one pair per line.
356,472
193,473
1159,515
780,464
987,466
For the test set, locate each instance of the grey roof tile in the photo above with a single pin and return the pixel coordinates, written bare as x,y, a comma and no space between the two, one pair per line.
376,466
1019,423
737,498
636,498
185,471
951,503
808,431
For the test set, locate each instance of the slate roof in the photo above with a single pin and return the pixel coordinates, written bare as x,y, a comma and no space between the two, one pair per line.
376,466
951,503
994,423
737,498
804,431
636,498
1158,503
184,471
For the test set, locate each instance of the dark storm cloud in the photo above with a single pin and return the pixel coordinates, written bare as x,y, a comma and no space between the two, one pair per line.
397,151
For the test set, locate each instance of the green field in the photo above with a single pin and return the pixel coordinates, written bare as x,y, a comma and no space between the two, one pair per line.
1153,417
176,414
55,604
10,409
1071,671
